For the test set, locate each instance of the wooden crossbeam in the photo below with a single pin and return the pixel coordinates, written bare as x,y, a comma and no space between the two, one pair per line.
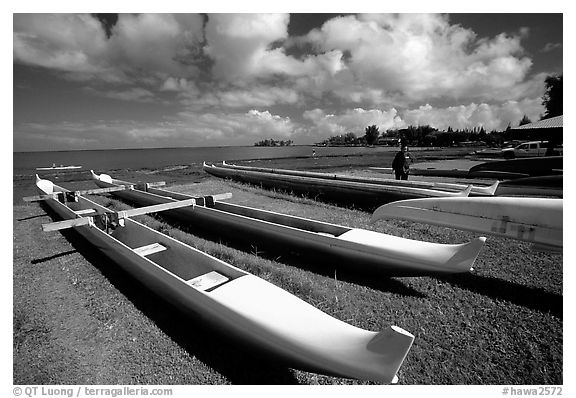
220,196
144,186
55,195
156,208
118,217
75,222
96,191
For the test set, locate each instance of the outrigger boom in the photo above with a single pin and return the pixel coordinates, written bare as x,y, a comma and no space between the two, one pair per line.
72,196
115,219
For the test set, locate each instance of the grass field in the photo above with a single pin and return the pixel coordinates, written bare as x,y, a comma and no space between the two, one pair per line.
78,319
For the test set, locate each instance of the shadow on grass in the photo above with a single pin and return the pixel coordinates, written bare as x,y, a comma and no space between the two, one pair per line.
44,259
377,281
351,199
525,296
31,217
238,363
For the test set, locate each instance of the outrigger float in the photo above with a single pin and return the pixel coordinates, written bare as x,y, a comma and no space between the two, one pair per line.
359,250
247,307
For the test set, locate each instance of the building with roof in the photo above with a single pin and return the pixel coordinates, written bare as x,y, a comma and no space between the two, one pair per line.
550,129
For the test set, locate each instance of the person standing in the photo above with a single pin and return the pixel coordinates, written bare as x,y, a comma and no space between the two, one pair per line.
401,163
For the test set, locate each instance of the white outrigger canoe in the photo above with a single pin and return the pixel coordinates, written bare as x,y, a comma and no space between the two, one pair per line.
61,167
231,299
476,190
357,193
365,251
535,220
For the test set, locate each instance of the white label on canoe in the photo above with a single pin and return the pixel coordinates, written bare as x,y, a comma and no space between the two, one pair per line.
207,281
149,249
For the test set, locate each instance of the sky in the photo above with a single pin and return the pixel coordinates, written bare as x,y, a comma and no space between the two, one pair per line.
87,81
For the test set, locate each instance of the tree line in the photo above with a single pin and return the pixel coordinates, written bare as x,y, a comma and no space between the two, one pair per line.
413,135
273,142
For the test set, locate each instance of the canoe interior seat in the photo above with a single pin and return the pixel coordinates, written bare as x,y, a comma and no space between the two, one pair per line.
207,281
84,211
149,249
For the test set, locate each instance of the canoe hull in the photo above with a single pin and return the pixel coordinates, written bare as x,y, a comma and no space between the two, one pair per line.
59,168
246,307
534,220
356,250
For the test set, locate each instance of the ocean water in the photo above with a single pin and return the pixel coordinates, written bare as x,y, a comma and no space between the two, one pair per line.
25,163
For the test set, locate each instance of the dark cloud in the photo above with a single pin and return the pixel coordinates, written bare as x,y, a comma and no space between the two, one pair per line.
108,21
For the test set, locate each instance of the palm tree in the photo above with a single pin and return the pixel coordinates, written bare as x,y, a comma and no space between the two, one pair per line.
372,133
552,98
524,121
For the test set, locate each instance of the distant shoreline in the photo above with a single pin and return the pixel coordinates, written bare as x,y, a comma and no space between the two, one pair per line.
155,148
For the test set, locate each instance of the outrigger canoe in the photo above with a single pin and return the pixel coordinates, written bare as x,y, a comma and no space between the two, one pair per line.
357,193
521,168
243,305
61,167
362,250
476,190
535,220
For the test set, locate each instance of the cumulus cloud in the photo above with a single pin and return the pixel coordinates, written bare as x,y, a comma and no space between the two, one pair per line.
491,117
63,42
245,128
140,46
157,43
239,43
351,72
236,128
394,59
422,56
354,120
